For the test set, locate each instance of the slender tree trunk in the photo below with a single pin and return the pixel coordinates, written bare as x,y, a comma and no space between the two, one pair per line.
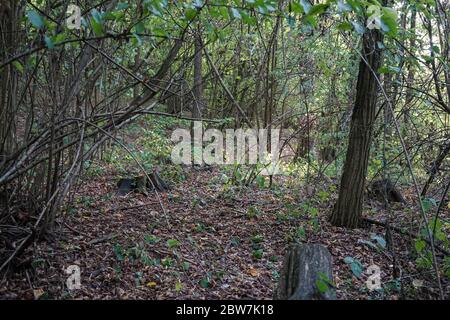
10,12
348,209
198,85
410,79
197,107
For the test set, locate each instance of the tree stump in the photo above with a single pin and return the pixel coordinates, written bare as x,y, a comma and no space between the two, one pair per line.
142,184
306,274
385,188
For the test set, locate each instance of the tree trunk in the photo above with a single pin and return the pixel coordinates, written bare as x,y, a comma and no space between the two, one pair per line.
307,274
435,167
347,211
410,78
10,13
197,108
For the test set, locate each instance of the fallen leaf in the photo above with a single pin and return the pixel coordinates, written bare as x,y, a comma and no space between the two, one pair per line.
417,283
254,272
38,293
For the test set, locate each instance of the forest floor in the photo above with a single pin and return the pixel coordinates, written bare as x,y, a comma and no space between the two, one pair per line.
208,244
214,239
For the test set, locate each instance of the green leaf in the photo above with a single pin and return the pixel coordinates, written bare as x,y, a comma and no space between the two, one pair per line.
348,260
185,265
198,3
172,243
49,42
122,6
119,252
356,5
291,21
383,70
249,19
140,27
427,203
151,239
190,13
325,278
204,283
97,16
355,266
110,16
420,245
323,283
257,238
447,266
322,286
296,7
306,6
389,21
166,262
35,19
18,66
358,27
261,181
98,27
224,12
262,9
318,9
178,286
159,32
356,269
258,254
342,6
59,38
214,12
344,26
394,69
380,240
235,13
137,41
270,8
311,20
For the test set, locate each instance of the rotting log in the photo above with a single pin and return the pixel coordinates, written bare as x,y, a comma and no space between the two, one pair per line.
306,272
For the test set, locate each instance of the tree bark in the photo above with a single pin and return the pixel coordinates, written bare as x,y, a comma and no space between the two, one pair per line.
348,208
304,266
410,78
197,105
197,108
435,167
10,13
